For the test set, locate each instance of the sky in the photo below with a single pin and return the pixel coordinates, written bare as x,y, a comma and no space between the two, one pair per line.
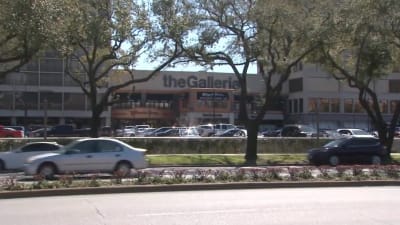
193,68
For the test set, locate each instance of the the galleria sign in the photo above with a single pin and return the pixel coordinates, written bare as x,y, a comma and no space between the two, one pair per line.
194,82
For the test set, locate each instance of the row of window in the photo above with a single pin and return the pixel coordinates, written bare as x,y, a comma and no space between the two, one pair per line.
39,79
333,105
147,104
296,85
42,100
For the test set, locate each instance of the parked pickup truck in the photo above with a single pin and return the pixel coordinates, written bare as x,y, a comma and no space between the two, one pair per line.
62,131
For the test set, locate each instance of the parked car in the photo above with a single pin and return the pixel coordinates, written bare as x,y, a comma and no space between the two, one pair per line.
10,132
349,150
62,130
147,131
179,132
19,128
298,130
234,132
128,131
140,129
330,133
206,130
271,133
155,132
106,131
209,130
15,159
89,155
354,132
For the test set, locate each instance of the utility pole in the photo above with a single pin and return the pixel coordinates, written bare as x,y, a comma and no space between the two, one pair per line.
45,118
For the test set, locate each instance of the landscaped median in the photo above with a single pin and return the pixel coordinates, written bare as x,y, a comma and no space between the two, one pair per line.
179,179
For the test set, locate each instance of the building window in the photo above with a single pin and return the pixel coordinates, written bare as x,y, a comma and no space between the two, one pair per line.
74,101
295,106
68,81
54,100
348,105
27,100
51,79
312,105
394,86
383,104
335,105
51,65
6,99
290,106
358,108
300,105
296,85
393,104
324,105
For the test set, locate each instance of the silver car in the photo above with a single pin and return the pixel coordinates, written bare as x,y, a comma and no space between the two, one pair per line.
15,159
89,155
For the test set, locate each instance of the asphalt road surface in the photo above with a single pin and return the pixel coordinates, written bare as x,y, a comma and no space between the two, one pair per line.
308,206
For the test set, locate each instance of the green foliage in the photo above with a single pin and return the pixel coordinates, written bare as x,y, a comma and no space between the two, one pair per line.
26,27
360,47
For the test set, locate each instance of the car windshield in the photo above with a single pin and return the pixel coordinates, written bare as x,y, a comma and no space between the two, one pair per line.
335,143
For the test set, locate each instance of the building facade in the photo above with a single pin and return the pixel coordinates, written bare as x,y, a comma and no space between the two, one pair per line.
314,97
40,92
186,99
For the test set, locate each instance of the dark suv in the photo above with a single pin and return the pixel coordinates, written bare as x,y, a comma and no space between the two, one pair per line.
349,150
298,130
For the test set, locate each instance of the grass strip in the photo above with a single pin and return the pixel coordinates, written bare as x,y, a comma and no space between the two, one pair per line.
223,159
231,159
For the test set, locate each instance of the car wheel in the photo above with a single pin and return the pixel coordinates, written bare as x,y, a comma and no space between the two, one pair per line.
376,160
123,169
333,160
47,170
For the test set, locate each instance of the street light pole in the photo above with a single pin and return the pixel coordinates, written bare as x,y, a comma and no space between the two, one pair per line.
213,106
45,118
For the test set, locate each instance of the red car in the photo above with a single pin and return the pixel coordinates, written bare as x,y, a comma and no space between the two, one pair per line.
9,132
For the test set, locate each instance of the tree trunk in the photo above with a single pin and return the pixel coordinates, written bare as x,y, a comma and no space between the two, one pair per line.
251,147
95,123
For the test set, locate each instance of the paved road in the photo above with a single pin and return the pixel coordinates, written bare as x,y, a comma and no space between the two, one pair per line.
327,206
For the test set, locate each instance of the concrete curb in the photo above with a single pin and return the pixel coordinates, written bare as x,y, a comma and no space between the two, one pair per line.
189,187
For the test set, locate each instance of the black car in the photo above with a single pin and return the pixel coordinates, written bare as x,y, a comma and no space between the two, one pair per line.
298,130
349,150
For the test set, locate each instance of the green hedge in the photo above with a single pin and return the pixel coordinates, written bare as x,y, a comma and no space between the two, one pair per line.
203,145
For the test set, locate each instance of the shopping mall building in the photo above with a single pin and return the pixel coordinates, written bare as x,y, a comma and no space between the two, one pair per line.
40,90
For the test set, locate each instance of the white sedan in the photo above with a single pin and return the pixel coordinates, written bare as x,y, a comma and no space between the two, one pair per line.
89,155
15,159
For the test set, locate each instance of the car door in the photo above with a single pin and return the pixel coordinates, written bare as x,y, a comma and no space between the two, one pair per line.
107,155
79,157
18,157
352,150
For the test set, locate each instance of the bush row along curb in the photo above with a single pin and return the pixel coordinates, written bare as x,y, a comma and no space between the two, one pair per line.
190,187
